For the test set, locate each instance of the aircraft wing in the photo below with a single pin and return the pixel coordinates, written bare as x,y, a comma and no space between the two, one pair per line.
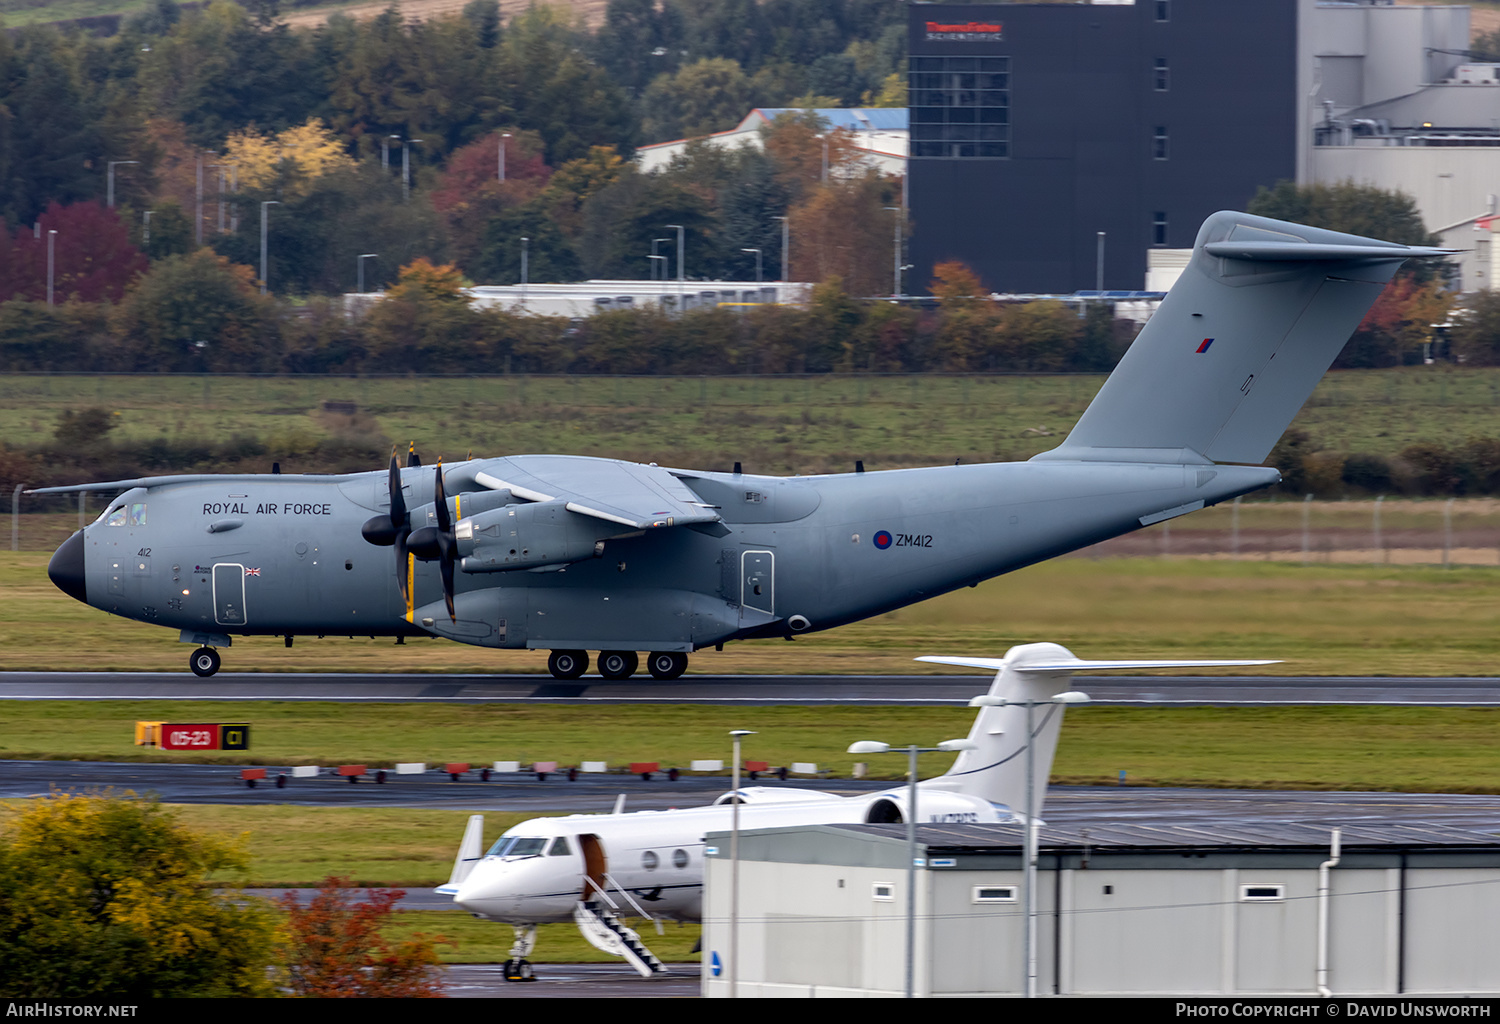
627,493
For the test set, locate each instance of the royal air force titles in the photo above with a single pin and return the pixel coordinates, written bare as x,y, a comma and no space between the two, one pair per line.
268,508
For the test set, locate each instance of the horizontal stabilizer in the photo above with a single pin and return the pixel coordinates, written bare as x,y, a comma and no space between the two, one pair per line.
1076,665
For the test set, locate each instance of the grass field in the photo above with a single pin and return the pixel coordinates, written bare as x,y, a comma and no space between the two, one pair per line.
771,424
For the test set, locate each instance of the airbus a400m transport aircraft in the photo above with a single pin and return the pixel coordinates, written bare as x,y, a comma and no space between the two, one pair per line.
586,867
573,554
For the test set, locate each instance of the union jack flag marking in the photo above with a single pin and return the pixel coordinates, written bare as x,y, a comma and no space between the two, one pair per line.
252,572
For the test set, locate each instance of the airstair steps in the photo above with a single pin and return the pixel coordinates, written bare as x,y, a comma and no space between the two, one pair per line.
607,932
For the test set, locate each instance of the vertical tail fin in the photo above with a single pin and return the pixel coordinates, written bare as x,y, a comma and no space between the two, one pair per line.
470,852
1238,344
995,770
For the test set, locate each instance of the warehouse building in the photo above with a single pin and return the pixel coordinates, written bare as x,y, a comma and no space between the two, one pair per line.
1119,909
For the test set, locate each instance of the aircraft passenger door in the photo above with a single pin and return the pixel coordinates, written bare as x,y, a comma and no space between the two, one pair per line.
758,581
595,863
229,594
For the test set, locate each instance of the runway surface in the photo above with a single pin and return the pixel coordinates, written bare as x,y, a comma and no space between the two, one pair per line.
705,689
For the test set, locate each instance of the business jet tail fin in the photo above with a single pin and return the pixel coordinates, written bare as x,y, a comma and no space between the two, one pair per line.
470,852
1031,682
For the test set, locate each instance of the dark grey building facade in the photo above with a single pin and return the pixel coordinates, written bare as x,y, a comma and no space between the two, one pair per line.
1036,126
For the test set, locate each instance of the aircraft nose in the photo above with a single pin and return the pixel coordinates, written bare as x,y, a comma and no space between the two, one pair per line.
66,568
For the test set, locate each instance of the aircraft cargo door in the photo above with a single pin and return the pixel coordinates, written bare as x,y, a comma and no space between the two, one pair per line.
758,581
229,594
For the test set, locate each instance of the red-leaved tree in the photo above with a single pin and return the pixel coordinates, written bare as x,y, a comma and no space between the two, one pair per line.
337,950
93,259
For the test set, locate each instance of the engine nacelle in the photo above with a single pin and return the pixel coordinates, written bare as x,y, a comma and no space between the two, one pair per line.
935,807
527,536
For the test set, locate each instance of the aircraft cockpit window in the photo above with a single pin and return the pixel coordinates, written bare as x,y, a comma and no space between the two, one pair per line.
559,847
526,848
138,514
116,517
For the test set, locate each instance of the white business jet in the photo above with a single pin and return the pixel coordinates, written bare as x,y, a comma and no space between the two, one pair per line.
595,868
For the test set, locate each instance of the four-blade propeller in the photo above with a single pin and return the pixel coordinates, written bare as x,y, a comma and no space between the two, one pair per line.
430,543
438,543
392,529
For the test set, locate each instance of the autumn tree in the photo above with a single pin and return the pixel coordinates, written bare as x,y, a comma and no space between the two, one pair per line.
104,896
336,949
967,315
92,256
197,312
846,230
1397,325
289,161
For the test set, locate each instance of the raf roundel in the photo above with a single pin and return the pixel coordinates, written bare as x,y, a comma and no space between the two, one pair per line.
883,539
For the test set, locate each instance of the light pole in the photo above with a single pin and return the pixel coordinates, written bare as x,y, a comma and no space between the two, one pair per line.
360,263
654,265
406,145
51,261
896,255
525,268
503,137
1099,264
222,168
654,242
680,277
734,867
110,190
385,151
786,238
268,202
757,263
877,747
1028,878
146,228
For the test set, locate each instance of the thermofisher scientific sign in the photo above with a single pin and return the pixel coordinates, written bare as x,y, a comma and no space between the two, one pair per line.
204,737
965,32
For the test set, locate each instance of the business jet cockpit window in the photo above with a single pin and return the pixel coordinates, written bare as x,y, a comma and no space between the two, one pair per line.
517,846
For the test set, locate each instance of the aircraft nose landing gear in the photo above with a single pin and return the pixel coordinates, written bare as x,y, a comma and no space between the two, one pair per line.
204,662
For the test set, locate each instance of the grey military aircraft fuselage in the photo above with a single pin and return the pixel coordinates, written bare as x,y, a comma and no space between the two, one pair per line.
573,554
282,555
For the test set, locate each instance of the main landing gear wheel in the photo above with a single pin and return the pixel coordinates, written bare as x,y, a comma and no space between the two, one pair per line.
204,662
567,664
666,664
618,664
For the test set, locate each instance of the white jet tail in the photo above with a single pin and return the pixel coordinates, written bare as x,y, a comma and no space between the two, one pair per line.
470,852
995,770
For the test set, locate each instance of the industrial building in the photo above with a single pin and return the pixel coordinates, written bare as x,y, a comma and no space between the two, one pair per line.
1138,909
1045,134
